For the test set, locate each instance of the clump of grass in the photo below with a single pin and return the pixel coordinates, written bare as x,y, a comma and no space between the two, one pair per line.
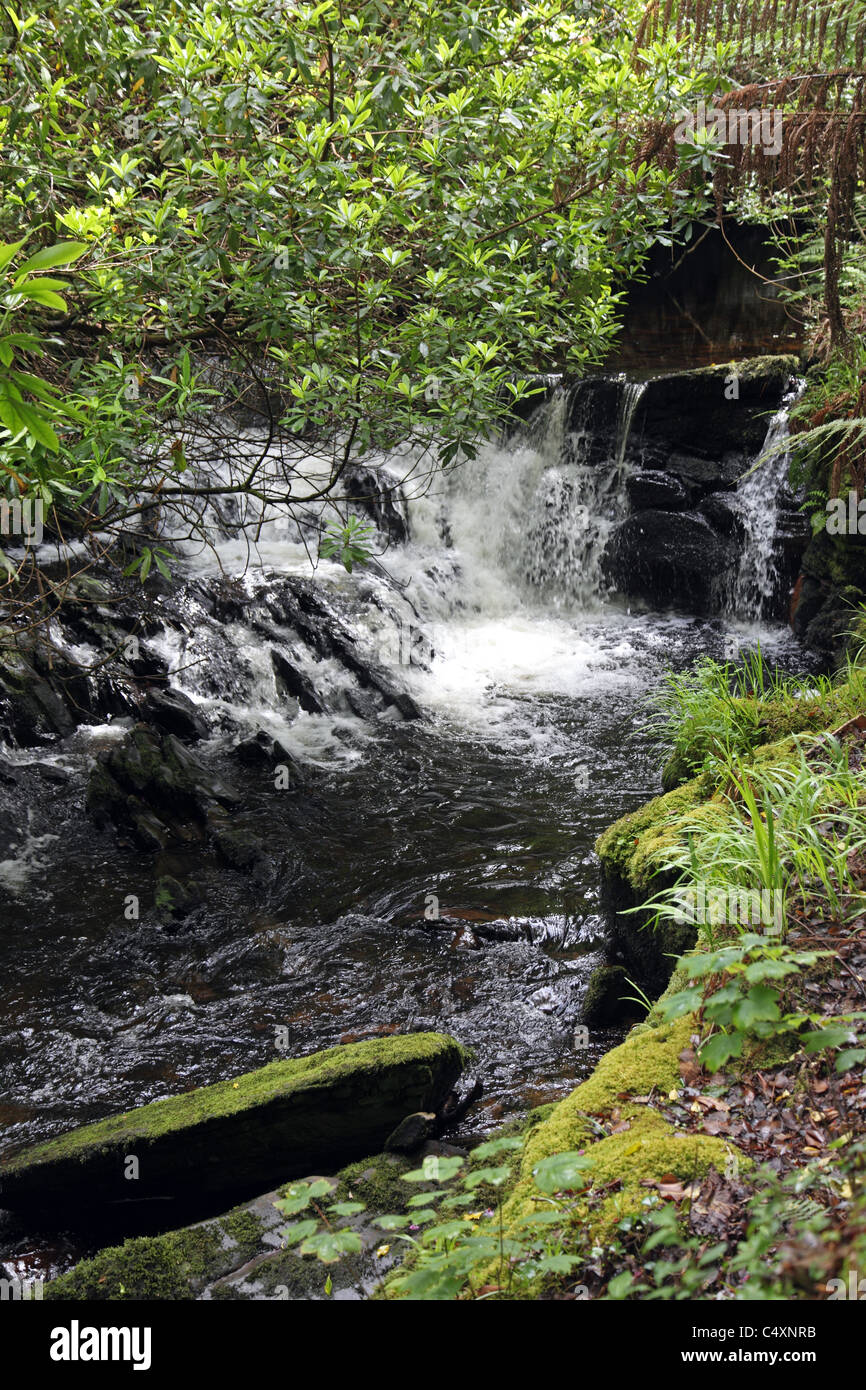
719,711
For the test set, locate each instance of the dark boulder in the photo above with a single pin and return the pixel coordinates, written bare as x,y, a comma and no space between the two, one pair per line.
721,511
294,683
245,1133
174,713
704,472
670,558
605,1002
650,490
156,789
697,413
411,1133
379,496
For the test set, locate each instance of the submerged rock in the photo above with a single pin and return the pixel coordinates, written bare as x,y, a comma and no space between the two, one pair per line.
279,1121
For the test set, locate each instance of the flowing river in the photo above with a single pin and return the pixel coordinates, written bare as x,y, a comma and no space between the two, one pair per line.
433,873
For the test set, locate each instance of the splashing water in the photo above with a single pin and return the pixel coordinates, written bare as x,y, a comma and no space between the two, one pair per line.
757,501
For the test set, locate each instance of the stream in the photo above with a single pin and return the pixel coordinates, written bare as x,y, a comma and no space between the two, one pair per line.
428,873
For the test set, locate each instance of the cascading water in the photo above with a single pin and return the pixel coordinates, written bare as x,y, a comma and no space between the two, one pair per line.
757,502
419,873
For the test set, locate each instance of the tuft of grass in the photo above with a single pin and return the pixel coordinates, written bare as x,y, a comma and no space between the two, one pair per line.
719,711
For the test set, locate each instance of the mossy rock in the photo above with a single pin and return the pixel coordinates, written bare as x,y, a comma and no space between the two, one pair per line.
629,851
242,1255
283,1120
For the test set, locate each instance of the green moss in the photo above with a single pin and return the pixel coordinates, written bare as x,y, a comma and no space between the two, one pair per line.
631,846
648,1061
378,1182
243,1229
539,1113
145,1268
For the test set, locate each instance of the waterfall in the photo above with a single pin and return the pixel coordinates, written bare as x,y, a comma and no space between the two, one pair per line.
757,503
630,396
531,516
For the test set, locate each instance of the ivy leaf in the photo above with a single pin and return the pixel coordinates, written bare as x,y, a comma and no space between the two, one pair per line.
435,1168
557,1264
685,1001
620,1285
291,1235
834,1035
851,1057
495,1147
760,1003
392,1222
495,1176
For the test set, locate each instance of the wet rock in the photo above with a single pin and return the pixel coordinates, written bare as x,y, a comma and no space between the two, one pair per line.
720,510
377,495
50,772
671,558
411,1132
263,751
241,849
300,605
830,592
267,1126
8,773
707,472
31,711
604,1003
174,713
153,786
176,900
695,412
363,704
459,1101
651,489
295,683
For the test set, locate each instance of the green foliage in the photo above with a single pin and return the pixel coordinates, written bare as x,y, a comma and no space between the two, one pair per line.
31,408
450,1248
347,543
799,1230
792,830
388,226
718,711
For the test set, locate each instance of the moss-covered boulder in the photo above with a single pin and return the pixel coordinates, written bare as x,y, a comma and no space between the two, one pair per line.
629,851
269,1125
